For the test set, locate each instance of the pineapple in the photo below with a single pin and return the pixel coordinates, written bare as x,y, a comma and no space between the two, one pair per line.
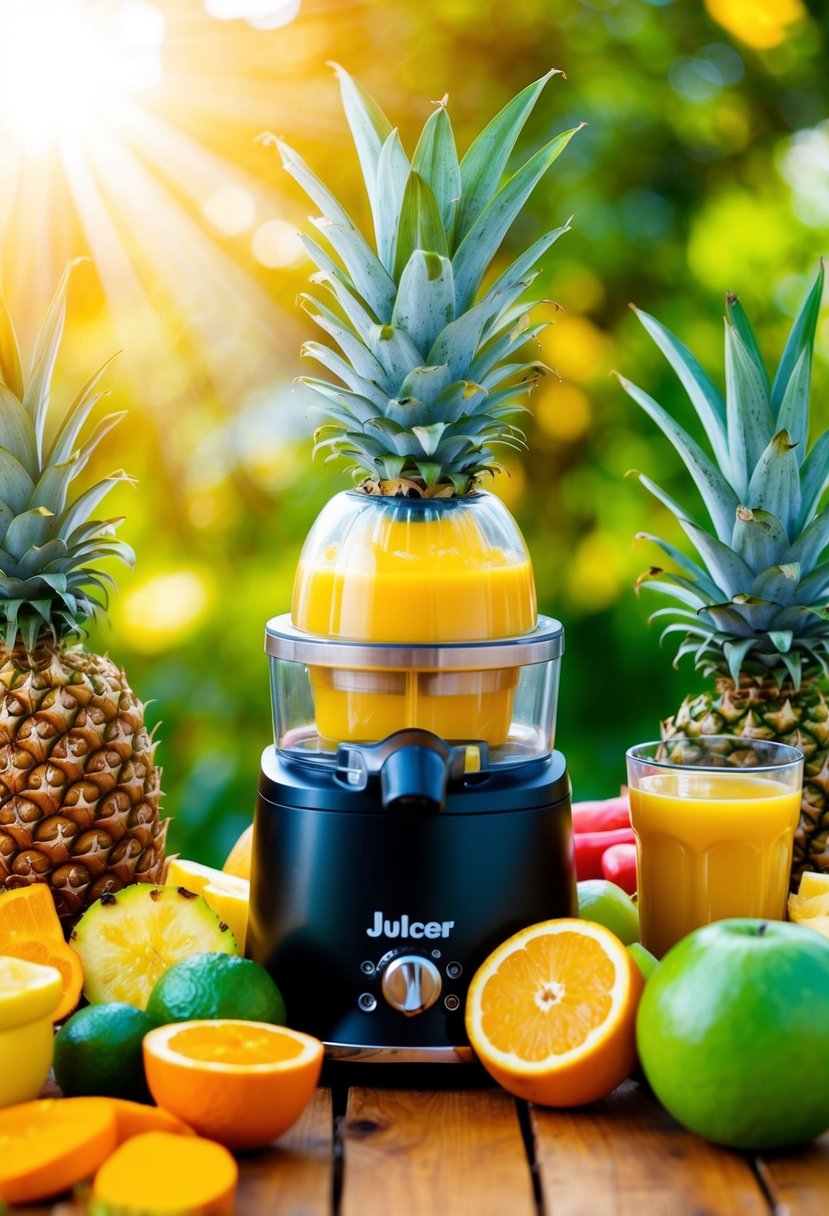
431,375
753,609
79,790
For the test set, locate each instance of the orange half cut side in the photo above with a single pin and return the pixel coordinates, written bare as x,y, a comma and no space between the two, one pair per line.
551,1013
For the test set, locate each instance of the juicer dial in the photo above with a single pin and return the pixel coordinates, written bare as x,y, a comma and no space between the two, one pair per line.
411,984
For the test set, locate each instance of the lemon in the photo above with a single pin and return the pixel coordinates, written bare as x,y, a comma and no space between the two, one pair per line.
29,995
98,1053
209,986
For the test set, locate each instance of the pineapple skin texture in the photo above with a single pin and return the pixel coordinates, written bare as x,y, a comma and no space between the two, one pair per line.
759,709
79,788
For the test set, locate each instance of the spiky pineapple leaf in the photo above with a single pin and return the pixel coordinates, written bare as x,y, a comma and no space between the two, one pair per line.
775,482
420,227
81,407
738,317
482,241
484,163
717,495
369,126
392,174
11,368
801,337
758,538
793,415
436,161
748,412
47,343
814,478
425,301
702,392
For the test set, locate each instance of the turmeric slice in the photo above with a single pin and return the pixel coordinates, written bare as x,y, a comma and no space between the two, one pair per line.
48,1145
166,1175
136,1118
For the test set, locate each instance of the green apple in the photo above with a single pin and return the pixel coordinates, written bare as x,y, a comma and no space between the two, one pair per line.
645,961
733,1033
609,905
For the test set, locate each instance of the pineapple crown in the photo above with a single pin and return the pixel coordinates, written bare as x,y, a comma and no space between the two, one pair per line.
431,377
50,583
757,602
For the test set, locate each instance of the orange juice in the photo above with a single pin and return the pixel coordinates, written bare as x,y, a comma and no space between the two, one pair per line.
414,579
710,846
416,582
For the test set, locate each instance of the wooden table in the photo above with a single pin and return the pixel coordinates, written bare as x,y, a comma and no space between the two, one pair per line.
477,1152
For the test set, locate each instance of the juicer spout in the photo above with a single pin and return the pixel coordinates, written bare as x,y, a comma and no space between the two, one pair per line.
415,773
414,768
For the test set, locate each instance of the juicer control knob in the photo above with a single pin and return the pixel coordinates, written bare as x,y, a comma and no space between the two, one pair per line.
411,984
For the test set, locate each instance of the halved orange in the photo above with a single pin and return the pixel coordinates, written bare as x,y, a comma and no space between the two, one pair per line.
49,952
551,1013
241,1083
30,910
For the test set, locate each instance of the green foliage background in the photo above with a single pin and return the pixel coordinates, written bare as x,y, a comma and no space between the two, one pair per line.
704,168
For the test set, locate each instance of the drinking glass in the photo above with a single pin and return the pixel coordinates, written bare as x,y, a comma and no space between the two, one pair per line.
714,819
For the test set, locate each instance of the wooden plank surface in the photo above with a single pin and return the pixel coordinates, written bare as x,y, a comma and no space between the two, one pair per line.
443,1153
625,1156
798,1181
295,1175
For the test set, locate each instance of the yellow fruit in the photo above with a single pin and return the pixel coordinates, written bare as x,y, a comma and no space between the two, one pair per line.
53,953
552,1012
812,883
29,995
808,909
238,859
227,895
241,1083
30,910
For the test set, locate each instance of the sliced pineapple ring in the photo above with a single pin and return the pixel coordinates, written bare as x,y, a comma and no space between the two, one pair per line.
129,939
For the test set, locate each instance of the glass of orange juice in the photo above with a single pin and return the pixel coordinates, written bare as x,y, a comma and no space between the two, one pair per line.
714,820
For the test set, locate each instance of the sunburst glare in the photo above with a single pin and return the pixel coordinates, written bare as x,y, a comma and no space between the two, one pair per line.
94,156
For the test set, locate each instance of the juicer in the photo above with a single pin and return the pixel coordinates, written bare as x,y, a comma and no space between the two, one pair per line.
412,813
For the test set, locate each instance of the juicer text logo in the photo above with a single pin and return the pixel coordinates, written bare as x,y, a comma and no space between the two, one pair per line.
403,927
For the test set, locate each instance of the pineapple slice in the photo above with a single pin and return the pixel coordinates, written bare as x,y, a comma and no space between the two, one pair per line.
810,906
813,883
226,894
129,939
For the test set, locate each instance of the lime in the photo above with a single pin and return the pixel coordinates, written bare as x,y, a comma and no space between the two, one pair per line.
216,986
733,1033
606,904
98,1052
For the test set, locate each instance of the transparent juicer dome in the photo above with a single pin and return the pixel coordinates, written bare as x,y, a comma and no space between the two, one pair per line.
414,613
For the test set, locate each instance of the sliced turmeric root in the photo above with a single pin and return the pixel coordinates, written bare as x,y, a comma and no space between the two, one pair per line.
166,1175
136,1118
49,952
48,1145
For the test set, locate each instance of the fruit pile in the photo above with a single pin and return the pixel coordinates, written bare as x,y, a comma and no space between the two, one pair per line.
560,1013
180,1056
